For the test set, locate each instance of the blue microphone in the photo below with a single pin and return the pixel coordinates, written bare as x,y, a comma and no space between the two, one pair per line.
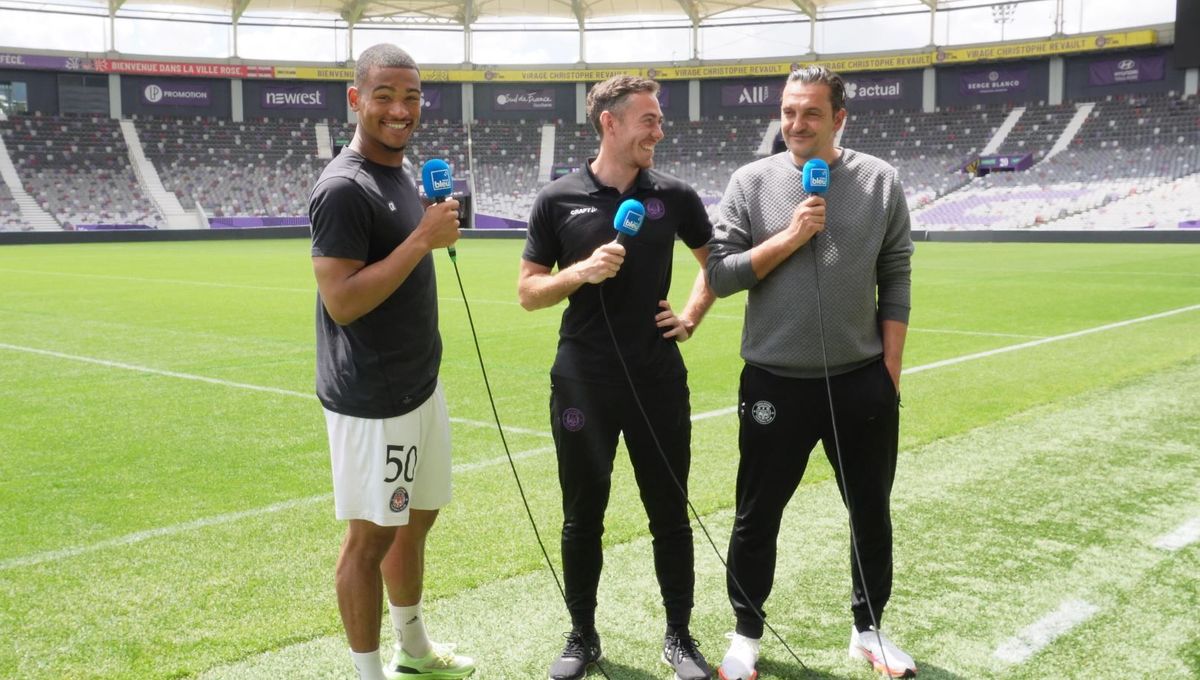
628,220
816,176
438,184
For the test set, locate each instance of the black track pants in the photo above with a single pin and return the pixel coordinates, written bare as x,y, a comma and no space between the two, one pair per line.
586,419
781,420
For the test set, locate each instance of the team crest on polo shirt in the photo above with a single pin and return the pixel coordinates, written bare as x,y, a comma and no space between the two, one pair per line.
573,419
763,412
655,208
399,499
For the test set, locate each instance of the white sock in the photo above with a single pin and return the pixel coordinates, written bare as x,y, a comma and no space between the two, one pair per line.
368,665
410,630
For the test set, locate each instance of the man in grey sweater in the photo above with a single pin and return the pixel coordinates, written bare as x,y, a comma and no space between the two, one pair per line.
826,318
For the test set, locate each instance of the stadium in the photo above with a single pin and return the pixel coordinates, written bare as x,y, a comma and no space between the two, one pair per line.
164,468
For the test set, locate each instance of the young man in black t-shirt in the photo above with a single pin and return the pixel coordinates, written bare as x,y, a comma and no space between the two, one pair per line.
591,405
378,354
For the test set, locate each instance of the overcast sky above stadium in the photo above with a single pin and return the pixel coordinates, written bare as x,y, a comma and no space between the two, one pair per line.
1029,20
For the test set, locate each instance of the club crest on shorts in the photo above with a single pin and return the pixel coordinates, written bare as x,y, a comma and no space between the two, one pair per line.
763,412
573,419
399,499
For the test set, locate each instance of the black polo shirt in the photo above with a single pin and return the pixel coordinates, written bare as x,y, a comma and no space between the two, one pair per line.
385,363
573,216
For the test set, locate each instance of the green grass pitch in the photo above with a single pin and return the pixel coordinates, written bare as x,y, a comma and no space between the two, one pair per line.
166,507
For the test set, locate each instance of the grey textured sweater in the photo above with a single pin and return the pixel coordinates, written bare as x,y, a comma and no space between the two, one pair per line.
866,248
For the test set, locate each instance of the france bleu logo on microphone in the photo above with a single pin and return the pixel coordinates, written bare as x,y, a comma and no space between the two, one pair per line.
815,176
441,180
820,178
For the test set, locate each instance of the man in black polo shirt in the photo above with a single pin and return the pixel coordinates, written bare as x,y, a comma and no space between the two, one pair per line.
571,228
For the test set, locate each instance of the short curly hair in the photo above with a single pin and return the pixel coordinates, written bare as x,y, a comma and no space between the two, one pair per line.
383,55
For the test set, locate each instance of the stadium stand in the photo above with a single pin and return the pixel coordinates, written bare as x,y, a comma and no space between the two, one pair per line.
928,149
706,152
10,213
1127,146
264,167
436,138
574,143
77,168
1166,206
1037,130
506,166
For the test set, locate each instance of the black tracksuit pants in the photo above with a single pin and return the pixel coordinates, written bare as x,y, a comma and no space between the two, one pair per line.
781,420
586,419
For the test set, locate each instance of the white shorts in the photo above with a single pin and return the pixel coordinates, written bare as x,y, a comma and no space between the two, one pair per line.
382,468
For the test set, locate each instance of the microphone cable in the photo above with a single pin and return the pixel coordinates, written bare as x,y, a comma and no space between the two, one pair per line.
837,447
679,485
508,454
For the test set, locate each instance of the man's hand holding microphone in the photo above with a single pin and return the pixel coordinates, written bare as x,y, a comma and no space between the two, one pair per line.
606,261
808,220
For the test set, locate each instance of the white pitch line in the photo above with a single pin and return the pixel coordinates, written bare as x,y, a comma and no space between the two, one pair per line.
733,317
221,519
1046,341
728,410
138,537
980,333
492,462
1034,637
993,352
699,416
1183,535
229,383
227,518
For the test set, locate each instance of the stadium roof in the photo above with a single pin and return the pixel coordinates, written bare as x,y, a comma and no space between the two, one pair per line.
467,12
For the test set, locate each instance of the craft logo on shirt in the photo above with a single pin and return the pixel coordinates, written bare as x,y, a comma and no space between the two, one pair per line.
391,206
655,208
583,211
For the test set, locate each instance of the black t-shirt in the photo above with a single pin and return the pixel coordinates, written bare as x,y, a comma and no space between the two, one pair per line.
385,363
573,216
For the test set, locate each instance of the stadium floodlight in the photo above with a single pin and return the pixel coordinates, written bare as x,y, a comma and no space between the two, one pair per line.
1002,14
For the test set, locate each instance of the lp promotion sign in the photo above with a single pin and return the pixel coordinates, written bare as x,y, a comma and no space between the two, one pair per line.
174,93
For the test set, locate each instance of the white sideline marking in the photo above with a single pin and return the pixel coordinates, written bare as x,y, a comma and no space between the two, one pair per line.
1183,535
713,414
999,350
981,333
1045,341
138,537
229,383
1034,637
739,317
221,519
